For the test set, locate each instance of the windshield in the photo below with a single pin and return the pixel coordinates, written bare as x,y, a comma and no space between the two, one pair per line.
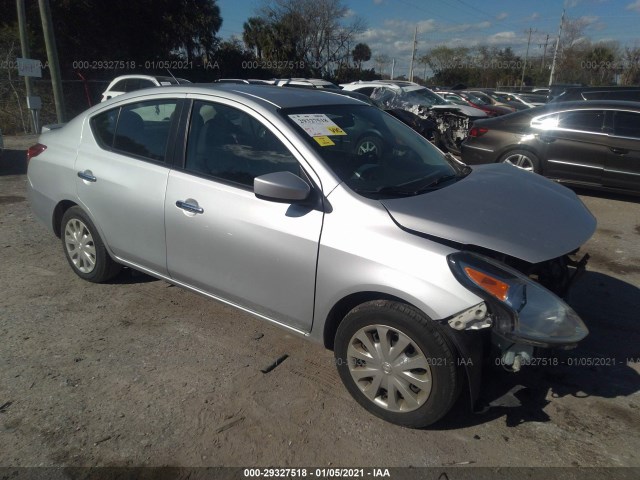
477,99
373,153
424,96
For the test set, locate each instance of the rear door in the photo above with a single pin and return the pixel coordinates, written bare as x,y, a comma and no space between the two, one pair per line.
122,177
253,253
573,145
622,168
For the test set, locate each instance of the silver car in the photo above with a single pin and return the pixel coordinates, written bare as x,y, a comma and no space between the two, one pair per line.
406,262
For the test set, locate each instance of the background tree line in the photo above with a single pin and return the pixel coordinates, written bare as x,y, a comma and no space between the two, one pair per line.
579,61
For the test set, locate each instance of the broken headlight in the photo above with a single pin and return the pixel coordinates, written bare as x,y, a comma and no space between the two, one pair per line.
523,310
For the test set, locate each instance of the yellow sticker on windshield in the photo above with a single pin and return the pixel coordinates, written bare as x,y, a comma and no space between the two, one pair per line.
336,130
324,141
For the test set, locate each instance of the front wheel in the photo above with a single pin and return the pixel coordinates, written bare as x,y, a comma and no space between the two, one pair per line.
397,363
84,248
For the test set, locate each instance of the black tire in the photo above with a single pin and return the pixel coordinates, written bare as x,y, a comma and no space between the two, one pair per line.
437,386
84,249
523,159
370,146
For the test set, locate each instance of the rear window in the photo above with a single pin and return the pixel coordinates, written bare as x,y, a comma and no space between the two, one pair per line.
626,124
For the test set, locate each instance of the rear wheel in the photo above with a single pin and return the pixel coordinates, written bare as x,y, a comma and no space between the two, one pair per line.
522,159
397,363
84,248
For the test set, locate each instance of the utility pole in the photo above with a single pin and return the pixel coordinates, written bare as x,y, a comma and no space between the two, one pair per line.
524,66
544,54
52,57
24,42
413,54
393,67
24,48
555,54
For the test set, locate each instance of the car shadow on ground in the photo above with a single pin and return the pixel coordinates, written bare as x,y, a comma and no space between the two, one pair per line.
621,197
13,162
130,276
599,367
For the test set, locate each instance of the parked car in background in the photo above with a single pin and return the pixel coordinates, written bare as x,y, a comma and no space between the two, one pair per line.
405,264
466,98
631,94
592,144
450,121
490,100
130,83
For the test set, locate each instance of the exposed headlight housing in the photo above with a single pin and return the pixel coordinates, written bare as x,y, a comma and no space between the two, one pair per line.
524,311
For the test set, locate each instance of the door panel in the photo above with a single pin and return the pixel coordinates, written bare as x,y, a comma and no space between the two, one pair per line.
255,253
573,149
123,190
623,163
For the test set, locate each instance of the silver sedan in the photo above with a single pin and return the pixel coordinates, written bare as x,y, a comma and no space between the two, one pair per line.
399,258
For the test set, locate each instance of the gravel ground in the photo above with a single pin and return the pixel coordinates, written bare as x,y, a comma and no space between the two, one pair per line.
140,373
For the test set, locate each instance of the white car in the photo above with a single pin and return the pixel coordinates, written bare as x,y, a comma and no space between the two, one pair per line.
129,83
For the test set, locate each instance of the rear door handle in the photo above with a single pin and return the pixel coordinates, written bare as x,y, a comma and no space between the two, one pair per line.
189,207
87,175
619,151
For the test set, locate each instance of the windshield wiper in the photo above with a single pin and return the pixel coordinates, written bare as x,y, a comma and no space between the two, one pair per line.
402,190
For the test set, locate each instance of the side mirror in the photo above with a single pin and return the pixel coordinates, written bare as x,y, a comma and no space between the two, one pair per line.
281,187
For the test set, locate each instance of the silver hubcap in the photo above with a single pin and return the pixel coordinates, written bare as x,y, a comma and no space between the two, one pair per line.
367,147
80,247
520,161
389,368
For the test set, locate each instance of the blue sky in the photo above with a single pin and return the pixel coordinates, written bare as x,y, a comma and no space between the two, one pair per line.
391,23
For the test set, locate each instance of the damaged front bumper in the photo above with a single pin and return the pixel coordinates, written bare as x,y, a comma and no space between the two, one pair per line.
518,310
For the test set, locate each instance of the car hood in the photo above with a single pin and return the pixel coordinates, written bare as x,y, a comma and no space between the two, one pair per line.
469,111
501,208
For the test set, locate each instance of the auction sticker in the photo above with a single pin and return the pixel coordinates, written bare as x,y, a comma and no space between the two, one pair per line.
324,141
317,124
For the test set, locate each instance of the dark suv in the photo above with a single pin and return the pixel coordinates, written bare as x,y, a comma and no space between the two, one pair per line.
591,144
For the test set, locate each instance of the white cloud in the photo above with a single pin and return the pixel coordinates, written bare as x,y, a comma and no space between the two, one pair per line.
349,13
501,37
503,15
634,6
465,27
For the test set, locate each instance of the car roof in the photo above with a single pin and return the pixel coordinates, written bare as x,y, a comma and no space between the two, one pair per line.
264,94
591,104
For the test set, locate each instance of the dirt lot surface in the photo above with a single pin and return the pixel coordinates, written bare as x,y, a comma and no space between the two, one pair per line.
138,372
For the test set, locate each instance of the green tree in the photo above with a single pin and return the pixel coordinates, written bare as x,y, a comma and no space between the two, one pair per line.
361,53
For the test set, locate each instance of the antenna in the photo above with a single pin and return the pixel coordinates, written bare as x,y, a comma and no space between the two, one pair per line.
177,82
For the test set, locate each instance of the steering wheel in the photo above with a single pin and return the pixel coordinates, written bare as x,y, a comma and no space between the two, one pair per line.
368,171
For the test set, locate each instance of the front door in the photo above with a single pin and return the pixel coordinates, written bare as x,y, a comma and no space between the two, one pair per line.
221,238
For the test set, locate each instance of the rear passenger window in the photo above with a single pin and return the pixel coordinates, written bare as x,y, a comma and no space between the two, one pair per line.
143,128
103,127
231,145
626,124
582,120
140,129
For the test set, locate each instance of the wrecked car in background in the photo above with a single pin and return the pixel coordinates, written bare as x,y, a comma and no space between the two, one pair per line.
447,124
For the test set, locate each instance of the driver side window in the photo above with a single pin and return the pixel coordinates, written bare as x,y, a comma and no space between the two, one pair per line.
231,145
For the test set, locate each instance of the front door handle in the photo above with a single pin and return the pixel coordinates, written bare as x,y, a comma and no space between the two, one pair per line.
619,151
189,207
87,175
